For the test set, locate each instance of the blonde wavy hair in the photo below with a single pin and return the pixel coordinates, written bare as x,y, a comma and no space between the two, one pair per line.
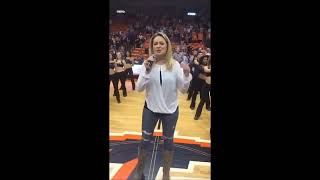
169,58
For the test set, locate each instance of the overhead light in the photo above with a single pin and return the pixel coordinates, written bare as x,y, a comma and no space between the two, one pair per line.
121,11
191,14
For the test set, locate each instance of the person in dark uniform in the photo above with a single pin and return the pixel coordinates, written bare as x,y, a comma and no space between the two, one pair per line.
197,82
192,59
128,69
204,93
120,74
113,77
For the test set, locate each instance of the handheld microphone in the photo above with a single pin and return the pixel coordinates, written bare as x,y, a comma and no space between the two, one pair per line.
151,60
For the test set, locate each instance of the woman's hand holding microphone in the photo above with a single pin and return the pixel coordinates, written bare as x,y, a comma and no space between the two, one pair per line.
149,62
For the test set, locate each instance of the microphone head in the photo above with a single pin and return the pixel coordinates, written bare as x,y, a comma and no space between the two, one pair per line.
152,59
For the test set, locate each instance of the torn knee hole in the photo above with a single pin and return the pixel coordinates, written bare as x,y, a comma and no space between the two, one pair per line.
145,132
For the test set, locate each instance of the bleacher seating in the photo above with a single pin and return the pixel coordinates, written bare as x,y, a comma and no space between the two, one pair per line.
123,26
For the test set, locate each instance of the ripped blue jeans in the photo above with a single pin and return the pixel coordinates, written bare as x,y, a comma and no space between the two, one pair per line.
149,121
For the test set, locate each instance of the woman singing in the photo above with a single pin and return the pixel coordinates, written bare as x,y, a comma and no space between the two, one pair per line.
161,77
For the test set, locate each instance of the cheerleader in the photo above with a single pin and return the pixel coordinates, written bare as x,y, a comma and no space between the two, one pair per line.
113,77
205,89
119,72
128,69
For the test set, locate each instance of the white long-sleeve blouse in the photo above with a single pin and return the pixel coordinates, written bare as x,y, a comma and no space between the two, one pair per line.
163,98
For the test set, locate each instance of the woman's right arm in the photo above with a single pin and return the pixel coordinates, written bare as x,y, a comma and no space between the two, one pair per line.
117,61
143,79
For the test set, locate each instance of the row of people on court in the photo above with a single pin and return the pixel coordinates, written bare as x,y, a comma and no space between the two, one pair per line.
120,68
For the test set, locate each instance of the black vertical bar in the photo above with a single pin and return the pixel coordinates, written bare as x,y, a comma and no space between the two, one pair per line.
160,78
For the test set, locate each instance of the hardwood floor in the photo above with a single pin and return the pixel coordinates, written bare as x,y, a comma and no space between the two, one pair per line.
127,115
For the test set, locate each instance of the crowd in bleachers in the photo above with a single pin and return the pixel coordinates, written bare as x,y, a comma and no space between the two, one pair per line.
181,31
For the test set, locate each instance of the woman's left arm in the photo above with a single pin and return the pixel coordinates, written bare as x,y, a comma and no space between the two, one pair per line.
206,69
183,77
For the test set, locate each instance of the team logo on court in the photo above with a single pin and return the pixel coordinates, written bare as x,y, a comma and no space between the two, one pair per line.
191,157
